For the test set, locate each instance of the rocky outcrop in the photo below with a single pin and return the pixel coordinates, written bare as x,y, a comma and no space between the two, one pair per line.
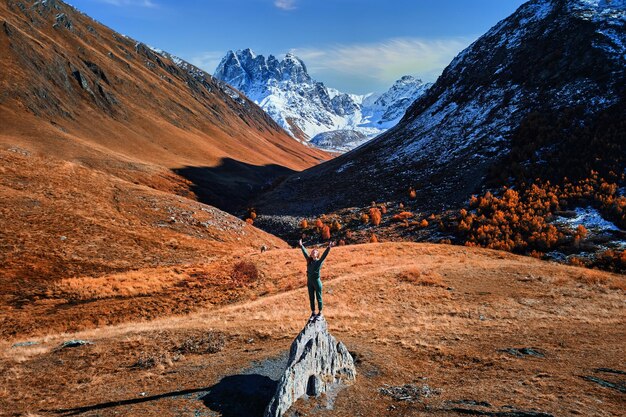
317,363
340,140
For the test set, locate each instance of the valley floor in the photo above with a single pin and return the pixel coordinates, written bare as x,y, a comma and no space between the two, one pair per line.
438,317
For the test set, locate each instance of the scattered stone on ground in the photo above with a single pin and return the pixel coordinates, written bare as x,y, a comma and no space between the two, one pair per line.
610,371
75,343
408,392
618,386
209,342
23,344
470,402
521,352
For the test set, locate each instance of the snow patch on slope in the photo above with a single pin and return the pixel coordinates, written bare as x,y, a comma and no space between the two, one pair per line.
588,217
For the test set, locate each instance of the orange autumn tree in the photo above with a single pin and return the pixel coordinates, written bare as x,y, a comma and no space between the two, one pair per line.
511,222
520,220
580,234
325,232
404,215
375,216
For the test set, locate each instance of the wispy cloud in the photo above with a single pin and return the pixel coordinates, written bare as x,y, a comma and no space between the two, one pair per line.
285,4
208,60
133,3
366,67
384,62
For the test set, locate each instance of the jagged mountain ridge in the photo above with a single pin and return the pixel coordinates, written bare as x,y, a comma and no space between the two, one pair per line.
389,107
307,108
76,90
550,57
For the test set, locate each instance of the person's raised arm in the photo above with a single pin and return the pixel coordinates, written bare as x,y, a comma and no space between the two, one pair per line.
325,254
304,251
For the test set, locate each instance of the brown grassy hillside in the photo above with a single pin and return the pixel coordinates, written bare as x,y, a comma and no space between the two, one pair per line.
71,235
75,89
106,147
440,316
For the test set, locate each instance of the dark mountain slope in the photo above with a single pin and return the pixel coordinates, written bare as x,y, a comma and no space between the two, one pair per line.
551,60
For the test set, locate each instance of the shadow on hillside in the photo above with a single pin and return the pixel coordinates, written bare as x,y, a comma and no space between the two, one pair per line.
240,395
232,184
131,401
233,396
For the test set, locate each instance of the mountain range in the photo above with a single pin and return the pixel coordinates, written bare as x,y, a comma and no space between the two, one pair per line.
540,94
311,111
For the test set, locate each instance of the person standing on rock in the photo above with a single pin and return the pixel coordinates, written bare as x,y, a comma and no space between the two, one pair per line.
313,280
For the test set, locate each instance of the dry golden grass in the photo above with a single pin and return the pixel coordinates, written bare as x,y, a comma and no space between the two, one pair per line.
617,284
560,280
125,284
75,234
400,330
598,279
594,279
25,353
418,277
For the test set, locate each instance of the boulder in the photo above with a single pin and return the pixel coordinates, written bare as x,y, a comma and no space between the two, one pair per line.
317,363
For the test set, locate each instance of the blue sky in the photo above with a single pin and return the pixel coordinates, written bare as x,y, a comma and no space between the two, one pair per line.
356,46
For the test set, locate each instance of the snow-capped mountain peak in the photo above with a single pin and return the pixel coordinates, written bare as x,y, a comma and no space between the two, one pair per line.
306,108
391,105
293,69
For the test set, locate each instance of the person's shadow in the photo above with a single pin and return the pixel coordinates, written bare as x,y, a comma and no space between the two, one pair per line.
240,395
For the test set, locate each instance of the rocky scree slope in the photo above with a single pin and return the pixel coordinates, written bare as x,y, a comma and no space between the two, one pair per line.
560,59
308,109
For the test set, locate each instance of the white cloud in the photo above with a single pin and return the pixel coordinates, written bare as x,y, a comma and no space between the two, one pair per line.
208,60
383,62
136,3
285,4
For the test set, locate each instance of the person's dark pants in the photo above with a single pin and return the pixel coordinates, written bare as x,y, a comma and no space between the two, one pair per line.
315,291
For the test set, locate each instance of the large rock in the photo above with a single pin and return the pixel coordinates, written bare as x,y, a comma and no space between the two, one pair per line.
317,363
